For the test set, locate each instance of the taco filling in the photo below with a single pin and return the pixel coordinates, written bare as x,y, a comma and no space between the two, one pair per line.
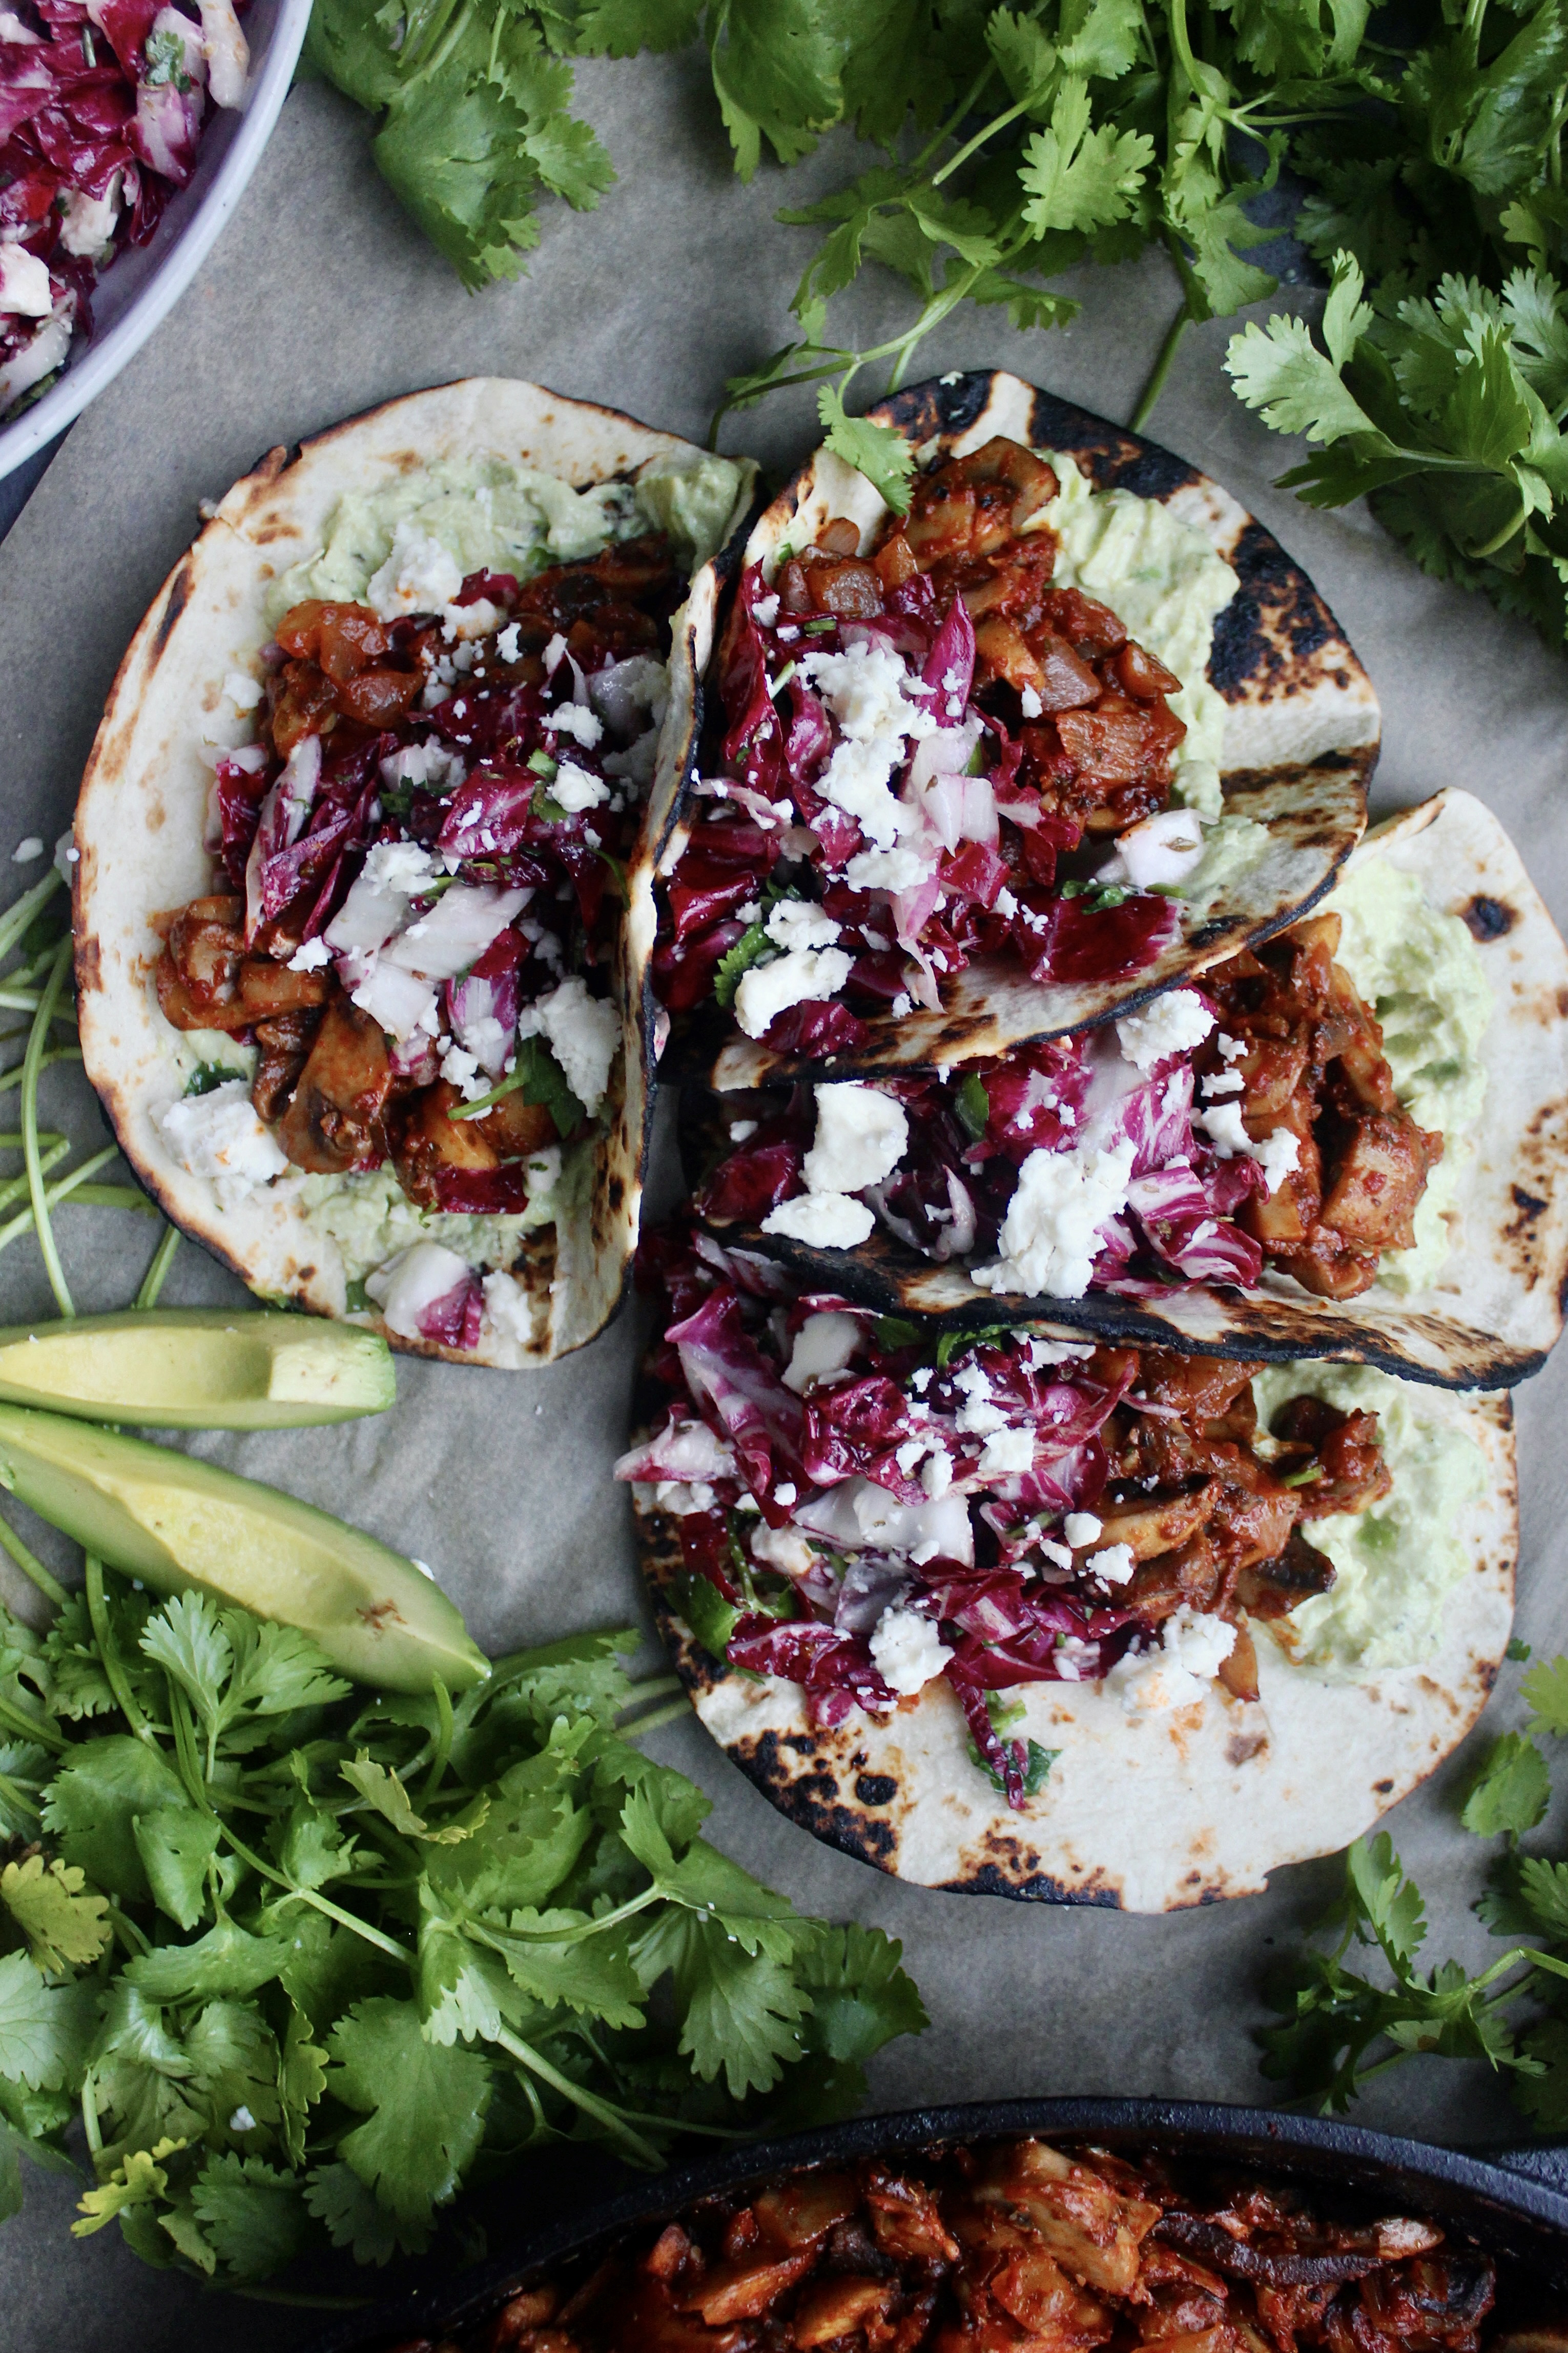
1256,1119
864,1508
919,736
400,992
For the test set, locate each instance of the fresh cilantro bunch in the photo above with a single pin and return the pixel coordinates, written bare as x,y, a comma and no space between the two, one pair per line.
474,102
1069,130
1340,2028
303,1962
1445,412
1441,396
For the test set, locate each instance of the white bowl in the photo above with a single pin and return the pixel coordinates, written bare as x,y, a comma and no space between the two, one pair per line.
141,286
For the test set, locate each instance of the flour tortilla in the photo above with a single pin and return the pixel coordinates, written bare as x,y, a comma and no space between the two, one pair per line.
143,805
1494,1308
1301,729
1151,1814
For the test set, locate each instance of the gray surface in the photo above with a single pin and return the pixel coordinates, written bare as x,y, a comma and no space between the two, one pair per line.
319,301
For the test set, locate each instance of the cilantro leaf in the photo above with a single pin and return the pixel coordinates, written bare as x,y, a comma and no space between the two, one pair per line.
544,1081
65,1922
1079,178
381,1789
879,451
94,1802
705,1881
176,1846
301,2080
1512,1790
861,1996
741,2014
1544,1690
138,2181
227,1959
424,2106
45,2029
712,1618
355,2218
251,2215
620,28
749,949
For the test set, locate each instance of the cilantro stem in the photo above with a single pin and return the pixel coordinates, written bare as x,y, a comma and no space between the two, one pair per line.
163,1259
438,1762
14,1795
185,1753
19,1721
1161,370
109,1649
31,1566
129,1934
501,1937
997,122
83,1196
675,1709
507,1086
319,1901
19,914
89,2123
30,1062
581,2097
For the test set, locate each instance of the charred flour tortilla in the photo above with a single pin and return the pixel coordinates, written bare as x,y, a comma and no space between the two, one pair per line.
1285,721
311,524
1156,1786
1472,1008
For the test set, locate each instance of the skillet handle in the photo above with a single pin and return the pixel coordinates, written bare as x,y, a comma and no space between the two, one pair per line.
1543,2161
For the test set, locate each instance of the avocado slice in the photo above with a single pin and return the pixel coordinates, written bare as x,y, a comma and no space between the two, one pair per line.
175,1522
198,1368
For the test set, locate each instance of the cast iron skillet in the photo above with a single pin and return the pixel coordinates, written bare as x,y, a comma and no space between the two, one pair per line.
1514,2201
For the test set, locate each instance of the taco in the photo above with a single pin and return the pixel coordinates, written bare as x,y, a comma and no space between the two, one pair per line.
1344,1142
929,731
362,861
1024,1613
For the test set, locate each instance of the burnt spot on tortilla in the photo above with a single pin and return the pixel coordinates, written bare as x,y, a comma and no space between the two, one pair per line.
1383,1789
810,1798
875,1788
992,1878
88,962
176,598
1488,919
1243,1747
1154,473
615,1193
1273,625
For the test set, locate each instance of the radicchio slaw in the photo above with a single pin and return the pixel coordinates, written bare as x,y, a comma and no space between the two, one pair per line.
425,851
862,1507
1252,1118
913,739
101,111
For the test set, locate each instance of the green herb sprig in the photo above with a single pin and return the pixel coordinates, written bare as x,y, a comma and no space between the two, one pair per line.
34,979
302,1962
1340,2028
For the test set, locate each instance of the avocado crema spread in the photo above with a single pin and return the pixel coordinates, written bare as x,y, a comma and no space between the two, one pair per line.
1420,972
395,997
1396,1562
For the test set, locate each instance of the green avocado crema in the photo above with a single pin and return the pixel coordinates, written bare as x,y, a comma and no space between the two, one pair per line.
1420,972
489,515
1395,1565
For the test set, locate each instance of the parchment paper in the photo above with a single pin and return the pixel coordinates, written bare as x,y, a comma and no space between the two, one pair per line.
320,300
